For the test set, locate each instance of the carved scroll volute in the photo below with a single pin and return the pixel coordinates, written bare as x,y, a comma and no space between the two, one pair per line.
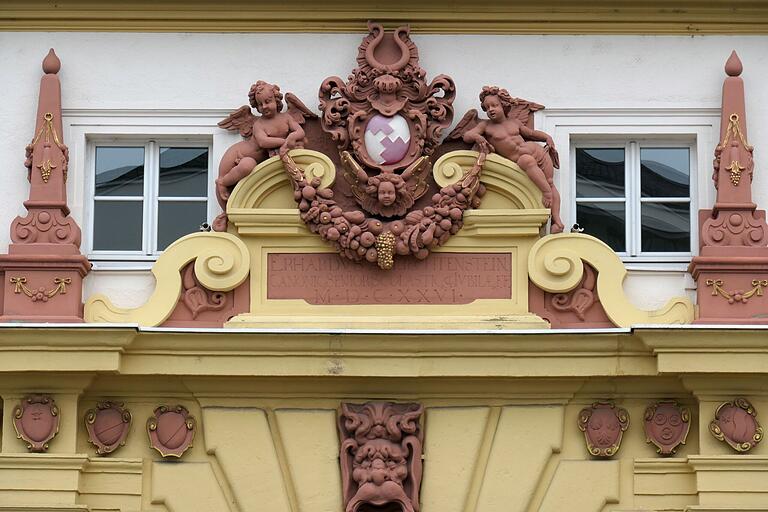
381,449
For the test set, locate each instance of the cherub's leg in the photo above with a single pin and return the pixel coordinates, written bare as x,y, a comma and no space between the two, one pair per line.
557,223
234,175
532,169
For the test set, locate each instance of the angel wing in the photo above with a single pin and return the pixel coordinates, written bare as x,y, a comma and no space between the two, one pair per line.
522,110
354,175
241,120
298,110
415,176
467,122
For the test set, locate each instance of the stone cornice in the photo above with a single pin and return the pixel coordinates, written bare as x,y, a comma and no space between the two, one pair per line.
425,16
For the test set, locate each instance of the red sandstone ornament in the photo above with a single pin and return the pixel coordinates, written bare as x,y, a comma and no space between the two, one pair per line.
603,426
736,424
171,430
381,445
508,132
36,421
107,426
666,426
274,132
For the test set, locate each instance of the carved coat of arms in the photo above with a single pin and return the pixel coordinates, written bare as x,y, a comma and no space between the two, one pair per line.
603,425
667,425
386,121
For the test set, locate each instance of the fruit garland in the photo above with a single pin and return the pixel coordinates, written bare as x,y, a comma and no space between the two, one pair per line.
358,237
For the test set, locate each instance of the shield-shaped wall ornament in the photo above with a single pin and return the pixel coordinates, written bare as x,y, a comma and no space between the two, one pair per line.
603,425
107,426
736,424
666,426
36,421
171,430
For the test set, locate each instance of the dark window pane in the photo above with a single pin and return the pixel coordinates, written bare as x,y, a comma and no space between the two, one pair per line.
665,172
600,172
666,227
178,219
183,172
119,171
117,225
605,221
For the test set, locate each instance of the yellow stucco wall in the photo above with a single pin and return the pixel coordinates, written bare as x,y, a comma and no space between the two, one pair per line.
500,420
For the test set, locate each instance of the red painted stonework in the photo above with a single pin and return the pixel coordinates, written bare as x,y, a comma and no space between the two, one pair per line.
171,430
107,426
577,309
736,423
666,426
732,268
200,307
603,425
42,273
444,278
36,421
381,449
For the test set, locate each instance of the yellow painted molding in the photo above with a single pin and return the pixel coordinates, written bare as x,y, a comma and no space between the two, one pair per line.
556,265
425,16
500,176
269,176
221,261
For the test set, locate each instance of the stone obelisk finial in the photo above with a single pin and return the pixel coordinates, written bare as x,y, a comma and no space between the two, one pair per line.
732,268
44,268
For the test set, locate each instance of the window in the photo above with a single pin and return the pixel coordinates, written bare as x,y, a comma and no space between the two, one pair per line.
636,177
636,196
146,195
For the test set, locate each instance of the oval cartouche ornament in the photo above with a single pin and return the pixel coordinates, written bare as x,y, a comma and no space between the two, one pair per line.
736,424
171,430
387,139
666,426
36,421
603,425
107,426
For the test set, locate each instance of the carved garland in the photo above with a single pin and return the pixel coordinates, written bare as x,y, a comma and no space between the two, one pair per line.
359,237
41,294
735,296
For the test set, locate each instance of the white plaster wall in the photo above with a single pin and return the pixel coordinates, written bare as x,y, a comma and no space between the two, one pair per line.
214,71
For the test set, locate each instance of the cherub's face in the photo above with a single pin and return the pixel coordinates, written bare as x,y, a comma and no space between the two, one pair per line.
387,194
493,107
266,104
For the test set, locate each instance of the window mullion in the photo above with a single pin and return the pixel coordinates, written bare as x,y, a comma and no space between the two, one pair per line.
150,202
633,198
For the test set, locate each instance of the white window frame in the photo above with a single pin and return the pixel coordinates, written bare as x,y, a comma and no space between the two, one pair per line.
633,199
85,129
694,128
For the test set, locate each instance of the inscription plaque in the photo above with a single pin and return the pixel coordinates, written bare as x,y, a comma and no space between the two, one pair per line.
443,278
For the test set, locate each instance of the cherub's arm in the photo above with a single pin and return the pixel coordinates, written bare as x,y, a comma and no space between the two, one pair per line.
265,141
476,135
296,133
530,134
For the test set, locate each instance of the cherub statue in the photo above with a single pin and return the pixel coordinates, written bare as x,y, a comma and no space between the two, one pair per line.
506,132
274,133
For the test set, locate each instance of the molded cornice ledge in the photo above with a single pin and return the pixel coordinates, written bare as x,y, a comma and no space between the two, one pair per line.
707,349
425,16
41,347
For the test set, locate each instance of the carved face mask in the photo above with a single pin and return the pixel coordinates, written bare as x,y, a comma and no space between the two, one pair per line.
387,194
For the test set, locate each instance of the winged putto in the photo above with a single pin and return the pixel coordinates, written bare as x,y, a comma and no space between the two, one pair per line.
508,132
274,132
